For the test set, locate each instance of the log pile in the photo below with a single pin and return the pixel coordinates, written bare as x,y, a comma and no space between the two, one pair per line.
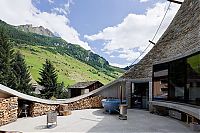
86,103
38,109
8,110
65,112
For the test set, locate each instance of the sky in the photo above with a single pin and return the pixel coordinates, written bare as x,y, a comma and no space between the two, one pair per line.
118,30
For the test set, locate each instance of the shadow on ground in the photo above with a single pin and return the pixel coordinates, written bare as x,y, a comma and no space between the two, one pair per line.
138,121
45,127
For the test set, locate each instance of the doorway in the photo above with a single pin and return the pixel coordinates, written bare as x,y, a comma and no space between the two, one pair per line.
140,95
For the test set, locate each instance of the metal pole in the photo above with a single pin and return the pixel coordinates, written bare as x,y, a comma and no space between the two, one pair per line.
120,94
174,1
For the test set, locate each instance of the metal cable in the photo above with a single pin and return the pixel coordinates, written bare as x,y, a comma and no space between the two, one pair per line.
153,36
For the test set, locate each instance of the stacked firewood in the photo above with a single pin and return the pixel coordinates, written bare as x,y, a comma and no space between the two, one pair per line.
38,109
86,103
8,110
63,111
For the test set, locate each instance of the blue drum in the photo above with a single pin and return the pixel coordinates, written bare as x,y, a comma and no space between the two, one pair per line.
111,105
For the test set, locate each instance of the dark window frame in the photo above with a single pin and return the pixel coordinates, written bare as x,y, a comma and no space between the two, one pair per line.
158,67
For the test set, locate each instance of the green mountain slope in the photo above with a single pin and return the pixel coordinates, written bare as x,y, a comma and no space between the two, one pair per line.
72,62
69,69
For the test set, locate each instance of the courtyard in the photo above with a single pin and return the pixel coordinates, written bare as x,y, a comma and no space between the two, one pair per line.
95,120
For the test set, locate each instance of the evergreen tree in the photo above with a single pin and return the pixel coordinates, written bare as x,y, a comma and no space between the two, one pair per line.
61,91
7,76
48,79
22,75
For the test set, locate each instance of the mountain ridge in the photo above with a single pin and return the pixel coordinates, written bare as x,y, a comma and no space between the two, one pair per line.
38,30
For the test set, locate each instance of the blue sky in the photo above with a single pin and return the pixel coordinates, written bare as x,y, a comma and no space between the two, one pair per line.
118,30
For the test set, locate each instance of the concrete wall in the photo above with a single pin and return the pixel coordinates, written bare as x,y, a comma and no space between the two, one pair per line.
150,91
114,90
4,95
192,111
129,86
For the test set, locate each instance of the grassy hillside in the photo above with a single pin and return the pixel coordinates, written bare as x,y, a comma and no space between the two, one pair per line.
194,62
69,69
73,63
57,45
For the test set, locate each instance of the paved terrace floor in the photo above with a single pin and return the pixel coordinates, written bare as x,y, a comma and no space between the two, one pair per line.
94,120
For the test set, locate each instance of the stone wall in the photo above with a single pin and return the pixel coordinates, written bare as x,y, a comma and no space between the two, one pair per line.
8,110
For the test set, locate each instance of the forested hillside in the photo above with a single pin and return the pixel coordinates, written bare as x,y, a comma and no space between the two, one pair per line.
73,63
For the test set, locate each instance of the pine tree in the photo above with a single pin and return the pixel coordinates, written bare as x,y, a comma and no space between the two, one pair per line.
48,79
22,74
61,92
7,76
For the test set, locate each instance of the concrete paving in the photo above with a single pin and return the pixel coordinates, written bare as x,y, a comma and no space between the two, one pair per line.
94,120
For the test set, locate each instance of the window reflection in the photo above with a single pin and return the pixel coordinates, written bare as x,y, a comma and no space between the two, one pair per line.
160,83
193,79
178,81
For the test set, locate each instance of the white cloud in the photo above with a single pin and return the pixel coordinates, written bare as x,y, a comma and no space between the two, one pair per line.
60,10
144,0
131,36
51,1
64,9
23,12
128,54
112,56
120,65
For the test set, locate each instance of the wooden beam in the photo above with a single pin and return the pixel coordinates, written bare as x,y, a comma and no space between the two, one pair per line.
152,42
175,1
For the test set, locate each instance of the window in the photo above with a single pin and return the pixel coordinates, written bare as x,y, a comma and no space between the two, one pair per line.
193,79
178,81
160,82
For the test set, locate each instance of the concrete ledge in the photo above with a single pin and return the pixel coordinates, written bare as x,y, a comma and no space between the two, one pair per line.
180,107
10,92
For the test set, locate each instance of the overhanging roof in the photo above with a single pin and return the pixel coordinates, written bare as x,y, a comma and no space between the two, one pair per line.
188,53
182,35
82,85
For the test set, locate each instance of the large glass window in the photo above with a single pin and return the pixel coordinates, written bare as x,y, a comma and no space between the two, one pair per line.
193,79
160,82
178,80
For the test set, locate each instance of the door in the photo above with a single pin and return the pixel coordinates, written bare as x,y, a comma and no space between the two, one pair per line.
140,95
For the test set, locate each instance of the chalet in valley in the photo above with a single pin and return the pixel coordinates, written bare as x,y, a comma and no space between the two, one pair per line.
81,88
